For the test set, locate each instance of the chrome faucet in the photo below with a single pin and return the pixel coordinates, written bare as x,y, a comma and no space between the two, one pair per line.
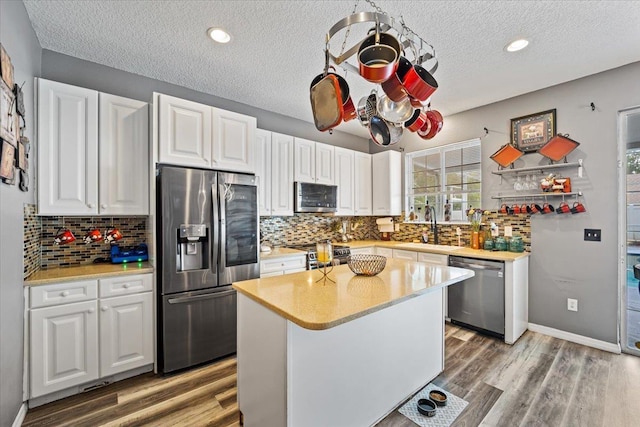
434,225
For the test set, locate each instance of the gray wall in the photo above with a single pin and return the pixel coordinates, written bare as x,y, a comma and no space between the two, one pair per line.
562,265
78,72
20,41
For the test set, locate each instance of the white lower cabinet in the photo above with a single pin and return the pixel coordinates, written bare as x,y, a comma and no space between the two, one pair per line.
64,346
388,252
126,333
439,259
74,342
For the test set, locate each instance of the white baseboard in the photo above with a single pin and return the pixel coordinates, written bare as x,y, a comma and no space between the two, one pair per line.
20,416
578,339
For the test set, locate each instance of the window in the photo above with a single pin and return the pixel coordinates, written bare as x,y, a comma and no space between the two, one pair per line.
447,174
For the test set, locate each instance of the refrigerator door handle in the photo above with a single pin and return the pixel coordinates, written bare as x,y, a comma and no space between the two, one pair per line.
181,300
216,241
222,195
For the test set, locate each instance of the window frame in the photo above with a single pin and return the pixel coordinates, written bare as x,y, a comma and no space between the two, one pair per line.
442,187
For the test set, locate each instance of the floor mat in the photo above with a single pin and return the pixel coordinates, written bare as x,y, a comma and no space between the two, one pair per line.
445,415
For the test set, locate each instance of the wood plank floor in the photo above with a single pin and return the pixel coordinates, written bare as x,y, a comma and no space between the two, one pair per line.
539,381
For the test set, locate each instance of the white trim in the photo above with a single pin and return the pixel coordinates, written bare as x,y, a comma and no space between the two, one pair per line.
578,339
17,422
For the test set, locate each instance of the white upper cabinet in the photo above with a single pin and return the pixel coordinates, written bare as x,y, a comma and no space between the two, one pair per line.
124,156
185,132
344,179
362,184
93,152
281,174
313,162
304,160
324,164
233,141
263,170
387,183
67,149
193,134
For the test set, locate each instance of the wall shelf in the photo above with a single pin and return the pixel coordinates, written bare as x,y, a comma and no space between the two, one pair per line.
523,196
541,168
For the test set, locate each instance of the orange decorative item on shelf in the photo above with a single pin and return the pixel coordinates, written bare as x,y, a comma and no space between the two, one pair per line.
558,147
506,155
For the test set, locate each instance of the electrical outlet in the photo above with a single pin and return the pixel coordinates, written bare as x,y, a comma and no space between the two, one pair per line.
508,231
572,304
592,234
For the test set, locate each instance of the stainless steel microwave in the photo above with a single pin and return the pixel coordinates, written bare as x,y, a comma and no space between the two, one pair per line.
315,197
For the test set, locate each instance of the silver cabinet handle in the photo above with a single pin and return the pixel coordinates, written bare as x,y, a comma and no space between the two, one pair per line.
91,310
180,300
126,286
104,308
91,205
65,293
103,206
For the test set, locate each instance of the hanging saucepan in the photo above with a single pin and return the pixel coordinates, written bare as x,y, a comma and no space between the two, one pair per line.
393,85
367,108
419,83
326,102
425,129
378,57
416,121
394,112
379,131
435,119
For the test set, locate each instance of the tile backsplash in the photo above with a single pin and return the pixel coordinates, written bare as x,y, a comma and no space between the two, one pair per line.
32,227
310,228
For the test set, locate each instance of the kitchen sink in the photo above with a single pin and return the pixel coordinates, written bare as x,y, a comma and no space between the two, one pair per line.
428,246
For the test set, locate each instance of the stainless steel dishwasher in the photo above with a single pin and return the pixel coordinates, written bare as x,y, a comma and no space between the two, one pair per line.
478,302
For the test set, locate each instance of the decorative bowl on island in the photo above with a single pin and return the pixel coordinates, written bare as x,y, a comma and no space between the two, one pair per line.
366,265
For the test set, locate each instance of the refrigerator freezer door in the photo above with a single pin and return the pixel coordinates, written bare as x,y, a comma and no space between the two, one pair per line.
197,327
187,222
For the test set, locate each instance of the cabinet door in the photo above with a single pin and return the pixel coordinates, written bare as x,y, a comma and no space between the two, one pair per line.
234,138
388,252
324,157
387,183
126,333
64,346
304,161
67,149
124,156
343,161
362,184
263,171
281,175
365,251
408,255
433,258
185,132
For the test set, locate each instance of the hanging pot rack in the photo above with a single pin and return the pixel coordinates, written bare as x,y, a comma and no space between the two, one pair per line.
409,40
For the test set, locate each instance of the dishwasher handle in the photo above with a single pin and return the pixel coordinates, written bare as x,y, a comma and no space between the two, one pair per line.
212,295
474,266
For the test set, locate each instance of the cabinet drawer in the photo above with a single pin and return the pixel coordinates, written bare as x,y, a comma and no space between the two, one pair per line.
408,255
63,293
280,264
433,258
124,285
368,251
385,252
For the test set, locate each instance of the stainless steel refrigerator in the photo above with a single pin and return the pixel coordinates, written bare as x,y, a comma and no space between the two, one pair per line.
208,237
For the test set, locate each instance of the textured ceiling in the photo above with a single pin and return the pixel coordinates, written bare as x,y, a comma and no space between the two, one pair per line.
277,46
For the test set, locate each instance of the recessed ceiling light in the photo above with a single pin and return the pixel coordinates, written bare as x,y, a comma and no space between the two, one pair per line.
219,35
517,45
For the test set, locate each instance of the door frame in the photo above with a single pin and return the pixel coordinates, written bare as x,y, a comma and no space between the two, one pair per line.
622,230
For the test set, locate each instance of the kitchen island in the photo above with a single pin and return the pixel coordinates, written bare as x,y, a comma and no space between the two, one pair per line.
341,353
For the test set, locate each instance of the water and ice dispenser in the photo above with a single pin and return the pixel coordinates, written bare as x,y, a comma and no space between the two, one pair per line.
193,247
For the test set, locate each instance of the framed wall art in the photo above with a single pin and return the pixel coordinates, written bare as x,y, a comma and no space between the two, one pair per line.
8,122
529,133
7,159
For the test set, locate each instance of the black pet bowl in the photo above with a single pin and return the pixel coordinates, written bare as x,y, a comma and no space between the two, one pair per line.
439,397
427,407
